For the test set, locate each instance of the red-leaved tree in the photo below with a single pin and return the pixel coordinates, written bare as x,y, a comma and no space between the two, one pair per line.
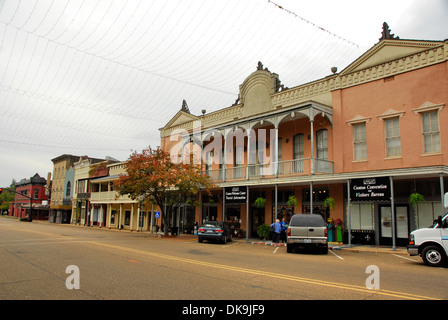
151,175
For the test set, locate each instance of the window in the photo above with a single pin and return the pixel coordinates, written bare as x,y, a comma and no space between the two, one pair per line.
431,133
359,141
36,193
127,218
298,153
322,144
362,216
69,189
393,140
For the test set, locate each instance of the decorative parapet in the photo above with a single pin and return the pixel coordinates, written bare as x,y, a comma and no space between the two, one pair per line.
437,53
208,121
390,68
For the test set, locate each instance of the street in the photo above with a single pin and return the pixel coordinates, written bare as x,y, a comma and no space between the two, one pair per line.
43,261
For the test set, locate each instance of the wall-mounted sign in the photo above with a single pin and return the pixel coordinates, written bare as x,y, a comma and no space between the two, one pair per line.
370,189
236,194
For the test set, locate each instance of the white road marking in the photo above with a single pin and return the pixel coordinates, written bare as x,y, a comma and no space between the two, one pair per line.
335,254
230,245
276,249
399,256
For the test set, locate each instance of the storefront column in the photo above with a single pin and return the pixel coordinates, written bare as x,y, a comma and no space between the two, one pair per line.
349,217
131,224
442,190
392,203
311,196
247,213
223,204
312,145
119,219
275,200
152,218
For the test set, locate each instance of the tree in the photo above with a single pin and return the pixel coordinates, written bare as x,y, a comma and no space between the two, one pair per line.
151,175
6,197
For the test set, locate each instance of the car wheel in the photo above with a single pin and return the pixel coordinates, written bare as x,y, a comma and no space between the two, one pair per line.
289,248
224,239
200,240
433,256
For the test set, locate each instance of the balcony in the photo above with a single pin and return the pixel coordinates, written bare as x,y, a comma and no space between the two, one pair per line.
289,168
109,196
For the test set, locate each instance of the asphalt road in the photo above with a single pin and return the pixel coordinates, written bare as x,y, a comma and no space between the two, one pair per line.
107,265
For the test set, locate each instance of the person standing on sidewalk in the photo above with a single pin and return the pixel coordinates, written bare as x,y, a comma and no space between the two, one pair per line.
277,229
283,228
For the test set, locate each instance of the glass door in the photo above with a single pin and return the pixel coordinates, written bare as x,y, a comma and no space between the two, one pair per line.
401,225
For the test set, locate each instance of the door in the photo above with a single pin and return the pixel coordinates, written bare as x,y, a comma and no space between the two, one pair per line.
257,219
401,225
298,154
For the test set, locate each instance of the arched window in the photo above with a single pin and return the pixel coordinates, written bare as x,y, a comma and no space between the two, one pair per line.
68,189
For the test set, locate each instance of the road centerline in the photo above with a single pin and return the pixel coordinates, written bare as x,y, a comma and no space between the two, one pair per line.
396,294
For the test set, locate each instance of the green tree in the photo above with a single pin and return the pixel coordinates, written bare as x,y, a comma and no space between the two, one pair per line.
7,197
151,175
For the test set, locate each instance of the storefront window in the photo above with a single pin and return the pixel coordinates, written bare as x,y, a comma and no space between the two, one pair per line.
127,218
233,216
361,216
427,212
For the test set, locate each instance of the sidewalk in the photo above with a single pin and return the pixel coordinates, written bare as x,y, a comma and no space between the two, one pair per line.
331,245
339,246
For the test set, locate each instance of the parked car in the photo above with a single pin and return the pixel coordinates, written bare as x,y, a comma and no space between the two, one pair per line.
307,231
215,231
431,243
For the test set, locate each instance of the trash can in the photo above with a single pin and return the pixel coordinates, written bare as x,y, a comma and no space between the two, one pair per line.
174,231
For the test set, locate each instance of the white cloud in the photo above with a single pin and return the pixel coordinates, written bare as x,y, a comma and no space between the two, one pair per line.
101,77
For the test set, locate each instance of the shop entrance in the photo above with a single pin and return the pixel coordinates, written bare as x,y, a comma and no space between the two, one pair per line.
401,224
256,219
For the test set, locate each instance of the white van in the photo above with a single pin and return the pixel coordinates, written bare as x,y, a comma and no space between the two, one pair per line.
431,243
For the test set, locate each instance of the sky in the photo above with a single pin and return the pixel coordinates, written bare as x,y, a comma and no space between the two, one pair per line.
100,77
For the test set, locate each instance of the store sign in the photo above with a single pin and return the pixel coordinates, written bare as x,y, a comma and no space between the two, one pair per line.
370,189
236,194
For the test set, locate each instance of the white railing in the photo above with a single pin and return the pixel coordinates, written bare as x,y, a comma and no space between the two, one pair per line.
271,170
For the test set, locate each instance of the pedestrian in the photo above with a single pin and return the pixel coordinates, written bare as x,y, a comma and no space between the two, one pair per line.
277,229
283,229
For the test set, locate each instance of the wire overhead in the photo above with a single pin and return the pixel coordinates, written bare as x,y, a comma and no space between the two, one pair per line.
105,75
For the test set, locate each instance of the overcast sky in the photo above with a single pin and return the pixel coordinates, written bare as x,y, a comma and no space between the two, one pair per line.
100,77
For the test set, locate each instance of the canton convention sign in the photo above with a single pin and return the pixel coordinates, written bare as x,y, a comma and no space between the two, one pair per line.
370,189
236,194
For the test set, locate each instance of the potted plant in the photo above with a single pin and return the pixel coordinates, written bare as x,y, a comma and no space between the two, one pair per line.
264,231
260,202
239,233
292,201
329,202
414,198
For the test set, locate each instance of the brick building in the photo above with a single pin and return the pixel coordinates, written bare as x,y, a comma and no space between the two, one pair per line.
363,139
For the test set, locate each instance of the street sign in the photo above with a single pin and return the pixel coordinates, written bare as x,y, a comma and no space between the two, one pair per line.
236,194
157,214
370,189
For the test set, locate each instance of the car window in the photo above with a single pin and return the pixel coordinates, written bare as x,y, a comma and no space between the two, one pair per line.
299,220
212,224
315,220
307,220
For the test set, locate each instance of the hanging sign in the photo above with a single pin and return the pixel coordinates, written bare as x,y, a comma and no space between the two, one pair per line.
236,194
370,189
